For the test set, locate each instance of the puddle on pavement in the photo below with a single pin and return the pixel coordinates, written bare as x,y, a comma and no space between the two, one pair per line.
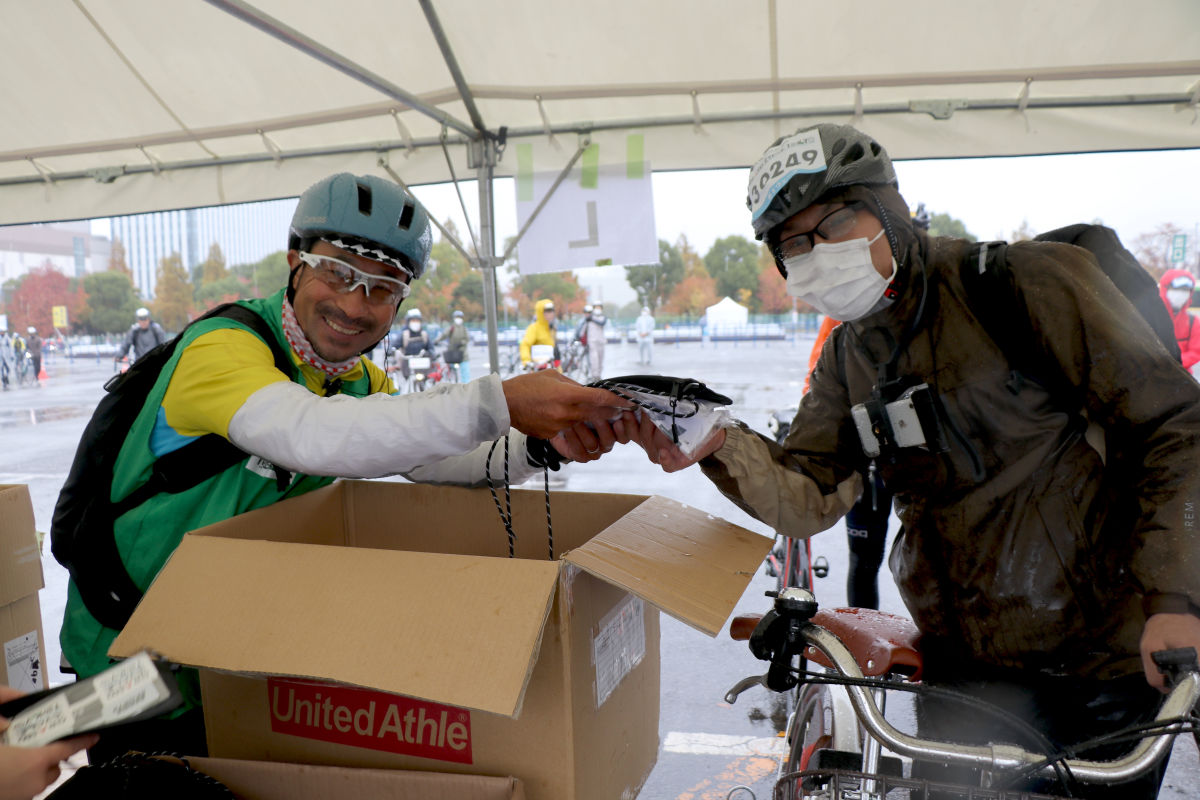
17,417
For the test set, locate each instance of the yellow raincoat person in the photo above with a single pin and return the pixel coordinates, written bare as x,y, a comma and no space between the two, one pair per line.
540,331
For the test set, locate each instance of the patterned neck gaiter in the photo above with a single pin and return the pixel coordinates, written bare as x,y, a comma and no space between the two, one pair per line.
299,342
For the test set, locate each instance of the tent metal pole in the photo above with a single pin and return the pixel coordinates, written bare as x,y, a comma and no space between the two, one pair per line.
460,81
484,172
109,173
305,44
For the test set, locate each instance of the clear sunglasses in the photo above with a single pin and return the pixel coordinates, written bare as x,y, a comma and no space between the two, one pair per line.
344,278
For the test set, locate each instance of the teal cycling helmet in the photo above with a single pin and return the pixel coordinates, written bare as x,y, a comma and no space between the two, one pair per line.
798,170
368,215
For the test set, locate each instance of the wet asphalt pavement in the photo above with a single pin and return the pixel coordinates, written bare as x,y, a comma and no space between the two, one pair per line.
708,746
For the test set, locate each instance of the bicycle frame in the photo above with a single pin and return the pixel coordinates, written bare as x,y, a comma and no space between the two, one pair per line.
790,631
1003,757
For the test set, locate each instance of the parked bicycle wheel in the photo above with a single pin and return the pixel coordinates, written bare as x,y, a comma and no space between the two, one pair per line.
575,362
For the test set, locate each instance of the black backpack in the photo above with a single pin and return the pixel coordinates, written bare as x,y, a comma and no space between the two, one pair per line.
81,532
991,295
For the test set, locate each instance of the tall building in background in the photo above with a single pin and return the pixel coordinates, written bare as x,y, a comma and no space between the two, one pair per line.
246,232
69,247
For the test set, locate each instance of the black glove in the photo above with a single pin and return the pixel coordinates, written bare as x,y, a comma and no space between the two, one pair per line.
540,453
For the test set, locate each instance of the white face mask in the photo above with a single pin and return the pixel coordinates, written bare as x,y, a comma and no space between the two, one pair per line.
1178,297
838,278
414,326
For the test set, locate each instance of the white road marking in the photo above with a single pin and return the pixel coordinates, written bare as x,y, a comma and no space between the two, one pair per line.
719,744
26,477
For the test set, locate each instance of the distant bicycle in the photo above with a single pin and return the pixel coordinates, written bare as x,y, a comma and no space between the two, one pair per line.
510,362
575,362
24,369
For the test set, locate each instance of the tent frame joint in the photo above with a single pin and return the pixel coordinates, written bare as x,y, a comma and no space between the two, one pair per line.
938,109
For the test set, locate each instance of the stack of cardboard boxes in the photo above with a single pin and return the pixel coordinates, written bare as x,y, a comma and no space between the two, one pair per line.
20,580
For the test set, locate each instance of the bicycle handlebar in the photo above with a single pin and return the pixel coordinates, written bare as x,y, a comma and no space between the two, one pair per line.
1004,757
994,757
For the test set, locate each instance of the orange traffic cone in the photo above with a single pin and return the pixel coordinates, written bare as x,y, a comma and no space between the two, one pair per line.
42,372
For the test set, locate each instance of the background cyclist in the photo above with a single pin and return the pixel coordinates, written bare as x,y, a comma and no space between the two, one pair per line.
144,335
458,342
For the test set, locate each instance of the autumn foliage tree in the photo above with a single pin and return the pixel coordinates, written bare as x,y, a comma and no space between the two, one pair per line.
449,283
1153,249
654,282
772,293
37,292
116,257
111,302
173,303
697,290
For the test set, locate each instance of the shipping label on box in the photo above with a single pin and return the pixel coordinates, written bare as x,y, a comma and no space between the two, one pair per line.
366,718
618,645
22,657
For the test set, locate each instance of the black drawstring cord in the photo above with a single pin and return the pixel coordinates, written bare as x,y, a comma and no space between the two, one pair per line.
506,510
506,518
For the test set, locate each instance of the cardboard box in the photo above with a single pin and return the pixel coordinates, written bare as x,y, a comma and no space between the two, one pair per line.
375,624
261,780
24,645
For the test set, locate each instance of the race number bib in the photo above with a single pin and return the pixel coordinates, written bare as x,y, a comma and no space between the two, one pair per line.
797,154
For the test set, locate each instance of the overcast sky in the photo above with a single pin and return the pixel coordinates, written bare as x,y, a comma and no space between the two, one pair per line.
1133,193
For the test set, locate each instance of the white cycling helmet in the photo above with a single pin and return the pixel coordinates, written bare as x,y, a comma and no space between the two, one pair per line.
143,313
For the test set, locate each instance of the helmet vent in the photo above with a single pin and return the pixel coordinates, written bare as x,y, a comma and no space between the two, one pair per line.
854,153
364,200
406,216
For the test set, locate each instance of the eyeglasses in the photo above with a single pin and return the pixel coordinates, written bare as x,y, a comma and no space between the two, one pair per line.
833,225
345,278
1182,283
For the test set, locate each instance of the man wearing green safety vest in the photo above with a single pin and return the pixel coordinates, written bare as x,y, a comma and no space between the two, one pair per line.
334,414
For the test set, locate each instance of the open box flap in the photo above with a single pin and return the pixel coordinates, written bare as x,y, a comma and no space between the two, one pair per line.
686,562
460,630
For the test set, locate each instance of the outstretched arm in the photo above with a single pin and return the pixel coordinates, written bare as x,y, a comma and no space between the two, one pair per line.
26,771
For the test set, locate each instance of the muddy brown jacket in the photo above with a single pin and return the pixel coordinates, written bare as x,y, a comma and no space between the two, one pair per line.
1027,543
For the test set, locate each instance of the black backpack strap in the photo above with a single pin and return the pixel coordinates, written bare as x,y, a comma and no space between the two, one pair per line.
87,543
212,453
992,297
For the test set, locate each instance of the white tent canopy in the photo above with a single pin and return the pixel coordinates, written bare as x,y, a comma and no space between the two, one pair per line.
120,106
123,106
727,313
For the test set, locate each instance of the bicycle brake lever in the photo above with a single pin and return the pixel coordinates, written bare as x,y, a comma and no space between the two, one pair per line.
745,683
1173,664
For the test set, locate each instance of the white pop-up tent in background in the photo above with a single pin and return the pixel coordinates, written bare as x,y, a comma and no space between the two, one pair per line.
727,313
